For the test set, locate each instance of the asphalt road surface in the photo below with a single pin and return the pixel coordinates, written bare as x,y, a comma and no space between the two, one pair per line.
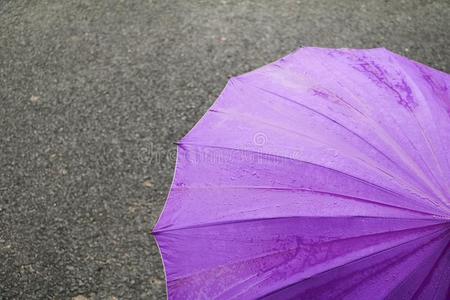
94,94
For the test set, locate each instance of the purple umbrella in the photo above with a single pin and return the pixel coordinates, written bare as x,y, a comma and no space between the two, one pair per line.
323,175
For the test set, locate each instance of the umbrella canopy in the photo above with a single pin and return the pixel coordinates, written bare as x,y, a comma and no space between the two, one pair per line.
323,175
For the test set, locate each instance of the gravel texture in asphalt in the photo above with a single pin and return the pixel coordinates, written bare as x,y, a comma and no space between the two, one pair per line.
94,94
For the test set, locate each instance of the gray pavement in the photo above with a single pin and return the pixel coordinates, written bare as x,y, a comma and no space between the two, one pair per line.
94,93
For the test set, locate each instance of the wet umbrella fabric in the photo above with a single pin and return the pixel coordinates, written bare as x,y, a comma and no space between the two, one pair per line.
323,175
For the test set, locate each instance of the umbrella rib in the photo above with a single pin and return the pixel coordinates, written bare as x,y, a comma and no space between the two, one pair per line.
311,191
311,163
356,260
221,223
